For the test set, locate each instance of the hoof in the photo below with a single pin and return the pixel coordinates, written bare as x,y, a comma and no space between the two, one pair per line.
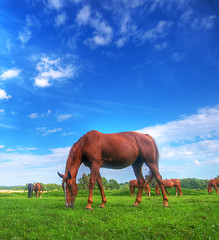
135,205
102,206
89,208
165,205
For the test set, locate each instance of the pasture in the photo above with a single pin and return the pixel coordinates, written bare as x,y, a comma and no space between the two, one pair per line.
195,215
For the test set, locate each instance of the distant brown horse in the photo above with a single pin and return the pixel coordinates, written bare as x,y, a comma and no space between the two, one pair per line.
169,184
118,150
134,184
37,188
214,183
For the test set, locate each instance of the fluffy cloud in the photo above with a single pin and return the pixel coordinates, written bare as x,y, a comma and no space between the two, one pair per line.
48,131
207,22
56,4
60,19
203,125
3,95
26,33
11,73
103,33
50,71
191,141
33,115
159,31
23,167
62,117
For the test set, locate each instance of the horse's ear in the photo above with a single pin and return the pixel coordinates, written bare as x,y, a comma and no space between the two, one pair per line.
60,175
69,175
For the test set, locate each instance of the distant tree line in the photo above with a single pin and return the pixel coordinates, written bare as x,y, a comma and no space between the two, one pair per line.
83,183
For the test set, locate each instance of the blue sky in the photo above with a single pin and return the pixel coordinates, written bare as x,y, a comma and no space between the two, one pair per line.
70,66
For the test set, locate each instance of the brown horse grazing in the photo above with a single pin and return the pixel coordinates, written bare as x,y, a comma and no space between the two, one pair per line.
169,184
118,150
214,183
134,184
37,188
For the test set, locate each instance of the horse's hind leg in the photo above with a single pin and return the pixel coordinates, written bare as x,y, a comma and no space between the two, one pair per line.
215,186
141,183
167,192
100,185
158,178
177,190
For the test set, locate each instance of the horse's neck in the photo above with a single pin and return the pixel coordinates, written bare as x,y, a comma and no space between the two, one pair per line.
73,162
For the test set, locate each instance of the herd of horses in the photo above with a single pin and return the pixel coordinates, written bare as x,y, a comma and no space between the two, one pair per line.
37,188
116,151
167,184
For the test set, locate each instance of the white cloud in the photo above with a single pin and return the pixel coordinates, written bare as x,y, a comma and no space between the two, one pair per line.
33,115
187,16
56,4
203,125
26,33
190,141
1,146
103,32
11,73
52,70
83,16
160,31
23,167
160,46
177,57
62,117
24,36
47,131
204,22
3,95
2,111
60,19
121,42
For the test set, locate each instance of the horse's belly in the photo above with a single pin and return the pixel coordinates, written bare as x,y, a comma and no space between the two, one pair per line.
117,163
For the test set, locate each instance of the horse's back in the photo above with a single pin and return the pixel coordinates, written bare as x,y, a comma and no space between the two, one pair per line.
168,183
214,181
117,150
175,181
133,183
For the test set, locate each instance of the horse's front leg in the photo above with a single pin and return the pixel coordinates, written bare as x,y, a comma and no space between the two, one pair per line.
93,177
141,183
100,185
131,191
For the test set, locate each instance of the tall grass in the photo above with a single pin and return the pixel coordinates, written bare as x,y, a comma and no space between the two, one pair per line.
192,216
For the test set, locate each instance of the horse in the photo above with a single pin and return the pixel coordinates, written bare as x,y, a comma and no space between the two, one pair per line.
134,184
214,183
169,184
37,188
116,151
30,190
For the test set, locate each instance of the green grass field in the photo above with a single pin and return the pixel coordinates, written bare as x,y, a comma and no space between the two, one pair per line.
195,215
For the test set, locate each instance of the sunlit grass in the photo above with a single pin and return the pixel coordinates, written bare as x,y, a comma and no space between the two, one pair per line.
189,217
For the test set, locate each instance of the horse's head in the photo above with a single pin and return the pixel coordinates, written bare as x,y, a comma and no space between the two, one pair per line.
70,188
